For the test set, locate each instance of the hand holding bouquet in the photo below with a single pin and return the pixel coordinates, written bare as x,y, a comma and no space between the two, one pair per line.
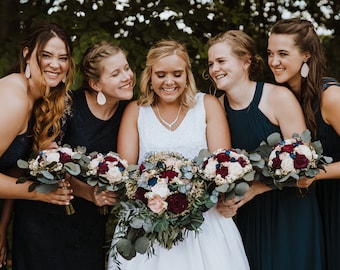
108,171
49,167
165,199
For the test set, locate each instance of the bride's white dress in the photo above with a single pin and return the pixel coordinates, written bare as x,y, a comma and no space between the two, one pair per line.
218,246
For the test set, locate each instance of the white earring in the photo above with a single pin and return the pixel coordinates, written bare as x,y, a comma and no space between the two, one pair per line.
304,70
28,71
64,79
101,99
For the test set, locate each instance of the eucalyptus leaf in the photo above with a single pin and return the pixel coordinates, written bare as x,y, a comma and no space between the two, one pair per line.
249,176
255,156
241,188
92,182
72,168
124,247
222,188
47,174
306,136
43,188
274,138
142,244
136,223
22,164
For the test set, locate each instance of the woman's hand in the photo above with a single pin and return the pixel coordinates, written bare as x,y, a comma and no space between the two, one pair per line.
61,196
255,189
228,208
305,182
105,197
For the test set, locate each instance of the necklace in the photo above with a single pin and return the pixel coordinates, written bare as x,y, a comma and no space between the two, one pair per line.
169,125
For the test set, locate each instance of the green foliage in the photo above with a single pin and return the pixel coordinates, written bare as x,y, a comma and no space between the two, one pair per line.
139,24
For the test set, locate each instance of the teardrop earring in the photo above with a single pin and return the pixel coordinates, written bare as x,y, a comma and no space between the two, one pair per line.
101,99
304,70
64,79
28,71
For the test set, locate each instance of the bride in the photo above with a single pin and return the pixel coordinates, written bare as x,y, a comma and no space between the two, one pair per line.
172,116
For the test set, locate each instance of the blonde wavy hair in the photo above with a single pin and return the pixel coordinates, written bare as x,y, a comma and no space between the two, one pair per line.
160,50
49,109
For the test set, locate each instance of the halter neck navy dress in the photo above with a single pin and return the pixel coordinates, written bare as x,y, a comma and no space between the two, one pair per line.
280,229
328,191
47,238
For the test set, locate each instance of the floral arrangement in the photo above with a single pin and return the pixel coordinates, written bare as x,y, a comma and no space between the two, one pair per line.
290,159
49,167
228,172
108,171
165,199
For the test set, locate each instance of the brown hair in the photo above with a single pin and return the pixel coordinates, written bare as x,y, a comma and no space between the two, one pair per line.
49,109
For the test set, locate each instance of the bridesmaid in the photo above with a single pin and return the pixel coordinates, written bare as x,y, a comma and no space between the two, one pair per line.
295,57
280,230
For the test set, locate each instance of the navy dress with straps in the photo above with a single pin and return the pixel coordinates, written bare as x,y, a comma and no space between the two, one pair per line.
328,191
280,229
45,238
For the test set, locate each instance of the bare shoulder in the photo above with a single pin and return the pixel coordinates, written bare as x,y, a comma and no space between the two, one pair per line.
277,93
331,96
210,100
13,95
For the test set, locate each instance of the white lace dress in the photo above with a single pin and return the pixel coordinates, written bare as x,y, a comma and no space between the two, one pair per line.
218,246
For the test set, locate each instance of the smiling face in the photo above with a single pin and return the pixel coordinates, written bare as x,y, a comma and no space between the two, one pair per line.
169,77
285,59
116,80
54,62
225,68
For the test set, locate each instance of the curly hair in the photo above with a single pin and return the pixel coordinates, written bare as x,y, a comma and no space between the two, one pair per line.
162,49
307,40
49,109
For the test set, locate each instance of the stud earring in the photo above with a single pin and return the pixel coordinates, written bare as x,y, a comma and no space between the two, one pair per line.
304,70
64,79
101,99
27,71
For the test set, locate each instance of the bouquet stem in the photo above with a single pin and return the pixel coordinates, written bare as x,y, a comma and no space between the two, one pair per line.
104,210
69,209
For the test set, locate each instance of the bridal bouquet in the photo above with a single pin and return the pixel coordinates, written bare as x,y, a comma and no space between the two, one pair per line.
290,159
108,171
228,172
49,167
165,199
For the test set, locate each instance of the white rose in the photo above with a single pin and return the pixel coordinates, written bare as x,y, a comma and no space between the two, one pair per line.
235,169
304,150
113,175
210,169
287,164
53,157
161,189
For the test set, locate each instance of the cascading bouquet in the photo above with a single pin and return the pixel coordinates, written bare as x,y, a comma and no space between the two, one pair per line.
108,171
165,200
228,172
49,167
290,159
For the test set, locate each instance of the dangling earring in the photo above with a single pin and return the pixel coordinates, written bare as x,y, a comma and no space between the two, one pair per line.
304,70
101,99
27,71
151,88
64,79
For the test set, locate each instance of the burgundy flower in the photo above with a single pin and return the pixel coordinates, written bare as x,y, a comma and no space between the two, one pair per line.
102,168
288,148
242,161
223,171
276,163
64,158
169,174
110,159
204,164
222,157
139,195
141,168
300,161
177,203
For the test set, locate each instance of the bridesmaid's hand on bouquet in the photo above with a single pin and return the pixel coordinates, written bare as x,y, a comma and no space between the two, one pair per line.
60,196
255,189
228,208
105,197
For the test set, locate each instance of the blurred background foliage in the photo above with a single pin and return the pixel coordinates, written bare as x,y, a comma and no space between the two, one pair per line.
136,25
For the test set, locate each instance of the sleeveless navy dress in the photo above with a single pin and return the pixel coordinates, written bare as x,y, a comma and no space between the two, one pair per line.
47,238
280,229
328,191
20,148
